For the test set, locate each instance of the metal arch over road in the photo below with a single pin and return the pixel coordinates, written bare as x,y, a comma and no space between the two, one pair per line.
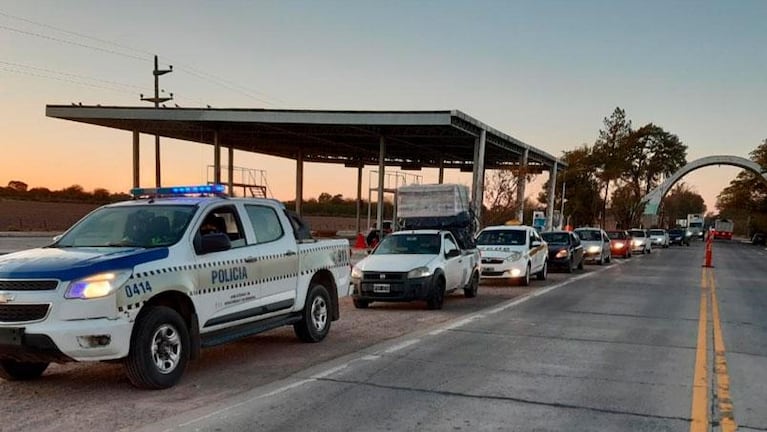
655,196
407,139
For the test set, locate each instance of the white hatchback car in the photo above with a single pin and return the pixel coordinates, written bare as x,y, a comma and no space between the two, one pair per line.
512,251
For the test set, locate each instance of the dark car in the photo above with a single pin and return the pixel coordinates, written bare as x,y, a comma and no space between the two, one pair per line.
679,236
565,250
759,239
620,243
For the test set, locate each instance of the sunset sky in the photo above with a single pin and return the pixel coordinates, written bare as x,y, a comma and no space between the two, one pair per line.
545,72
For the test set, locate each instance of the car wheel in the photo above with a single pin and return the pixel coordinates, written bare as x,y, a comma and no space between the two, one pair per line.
525,280
315,318
361,304
544,271
437,295
471,290
159,349
13,370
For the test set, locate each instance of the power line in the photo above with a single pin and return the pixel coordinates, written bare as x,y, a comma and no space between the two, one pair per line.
37,75
264,98
50,71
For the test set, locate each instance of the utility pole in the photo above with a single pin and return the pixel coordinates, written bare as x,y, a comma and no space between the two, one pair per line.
157,100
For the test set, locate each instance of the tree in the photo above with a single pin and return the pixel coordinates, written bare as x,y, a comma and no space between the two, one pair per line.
626,207
501,196
582,198
745,199
18,186
609,153
652,154
681,201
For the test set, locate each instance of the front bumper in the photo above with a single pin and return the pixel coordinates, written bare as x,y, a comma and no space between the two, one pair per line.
592,256
391,290
503,270
65,341
559,263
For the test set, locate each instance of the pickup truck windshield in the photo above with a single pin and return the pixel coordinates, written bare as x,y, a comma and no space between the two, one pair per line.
411,244
130,226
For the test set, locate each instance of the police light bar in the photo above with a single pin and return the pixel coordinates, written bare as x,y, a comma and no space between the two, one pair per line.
215,189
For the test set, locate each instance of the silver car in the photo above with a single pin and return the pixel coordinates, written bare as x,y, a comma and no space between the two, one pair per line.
596,245
641,241
659,237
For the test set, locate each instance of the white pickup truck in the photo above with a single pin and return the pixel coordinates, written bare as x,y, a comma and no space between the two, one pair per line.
416,265
151,281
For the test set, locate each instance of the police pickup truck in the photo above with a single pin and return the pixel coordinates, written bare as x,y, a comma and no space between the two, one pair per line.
416,265
150,281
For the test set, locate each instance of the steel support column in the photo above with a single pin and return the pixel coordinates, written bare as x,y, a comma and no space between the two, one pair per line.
359,199
157,169
478,187
230,174
441,170
299,181
521,184
381,180
216,158
136,171
552,191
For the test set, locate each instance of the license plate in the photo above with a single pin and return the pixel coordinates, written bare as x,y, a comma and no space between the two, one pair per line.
11,336
489,269
380,288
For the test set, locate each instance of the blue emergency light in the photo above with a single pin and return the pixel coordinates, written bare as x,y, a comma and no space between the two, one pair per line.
215,189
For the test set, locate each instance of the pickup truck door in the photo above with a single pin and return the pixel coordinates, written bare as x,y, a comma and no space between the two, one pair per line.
275,255
226,288
454,267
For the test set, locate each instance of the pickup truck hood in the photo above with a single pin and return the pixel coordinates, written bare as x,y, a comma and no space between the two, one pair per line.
490,251
73,263
394,263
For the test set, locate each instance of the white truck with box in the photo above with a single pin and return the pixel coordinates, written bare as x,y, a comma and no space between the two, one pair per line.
433,253
148,282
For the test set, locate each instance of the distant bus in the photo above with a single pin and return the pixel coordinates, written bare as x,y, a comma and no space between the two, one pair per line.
723,229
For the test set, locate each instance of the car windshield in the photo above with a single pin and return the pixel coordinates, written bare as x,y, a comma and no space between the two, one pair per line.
636,233
676,232
617,235
556,238
502,238
657,232
589,235
143,226
410,244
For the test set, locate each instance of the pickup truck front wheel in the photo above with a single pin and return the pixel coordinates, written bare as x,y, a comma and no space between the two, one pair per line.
315,320
12,370
437,295
159,350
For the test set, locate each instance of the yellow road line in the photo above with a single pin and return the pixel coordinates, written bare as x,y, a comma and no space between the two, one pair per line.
726,409
699,413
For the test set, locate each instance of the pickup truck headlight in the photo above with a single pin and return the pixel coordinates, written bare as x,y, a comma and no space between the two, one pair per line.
356,273
514,256
420,272
562,254
97,286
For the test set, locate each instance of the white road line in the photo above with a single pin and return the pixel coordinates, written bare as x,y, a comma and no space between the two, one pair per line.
330,371
402,345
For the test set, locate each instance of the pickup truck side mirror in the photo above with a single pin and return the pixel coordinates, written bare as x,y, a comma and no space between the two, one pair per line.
452,253
215,242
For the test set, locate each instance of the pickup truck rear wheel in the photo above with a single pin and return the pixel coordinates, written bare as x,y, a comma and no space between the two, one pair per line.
159,350
315,320
13,370
471,289
437,295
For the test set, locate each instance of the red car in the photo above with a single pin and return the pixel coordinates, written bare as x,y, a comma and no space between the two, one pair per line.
620,243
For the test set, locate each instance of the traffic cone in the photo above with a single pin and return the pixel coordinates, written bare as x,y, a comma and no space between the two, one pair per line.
360,243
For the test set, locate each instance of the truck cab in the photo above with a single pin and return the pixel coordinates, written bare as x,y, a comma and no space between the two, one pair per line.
150,281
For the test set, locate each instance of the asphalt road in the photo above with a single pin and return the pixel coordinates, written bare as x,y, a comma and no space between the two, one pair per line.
616,349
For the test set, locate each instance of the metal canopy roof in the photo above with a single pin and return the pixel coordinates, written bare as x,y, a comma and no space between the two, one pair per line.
414,139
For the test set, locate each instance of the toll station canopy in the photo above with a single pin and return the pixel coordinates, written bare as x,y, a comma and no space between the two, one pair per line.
414,139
